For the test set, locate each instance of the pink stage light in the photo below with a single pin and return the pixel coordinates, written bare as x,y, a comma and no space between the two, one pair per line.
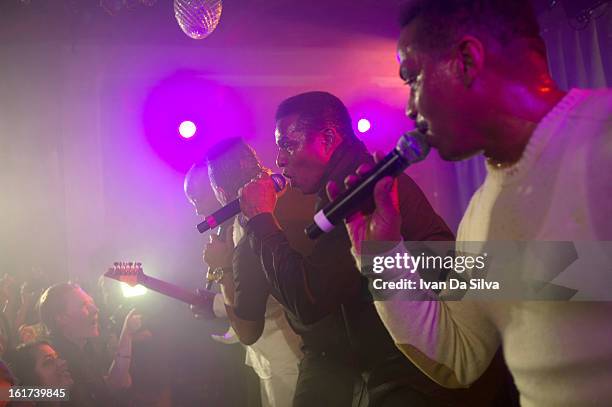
363,125
187,129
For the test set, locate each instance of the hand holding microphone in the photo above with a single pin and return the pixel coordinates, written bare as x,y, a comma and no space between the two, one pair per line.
410,148
384,223
253,204
258,196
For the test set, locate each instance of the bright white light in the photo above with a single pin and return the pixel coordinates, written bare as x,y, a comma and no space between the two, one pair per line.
187,129
133,291
363,125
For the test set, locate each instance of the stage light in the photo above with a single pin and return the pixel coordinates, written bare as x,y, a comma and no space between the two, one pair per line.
363,125
133,291
213,108
187,129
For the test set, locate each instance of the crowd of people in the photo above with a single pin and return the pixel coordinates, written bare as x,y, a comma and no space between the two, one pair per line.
58,336
305,311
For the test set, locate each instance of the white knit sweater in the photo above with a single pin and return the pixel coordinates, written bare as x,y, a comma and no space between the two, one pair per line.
559,353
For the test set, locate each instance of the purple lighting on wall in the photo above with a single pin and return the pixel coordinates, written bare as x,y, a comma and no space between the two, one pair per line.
363,125
376,122
187,129
186,106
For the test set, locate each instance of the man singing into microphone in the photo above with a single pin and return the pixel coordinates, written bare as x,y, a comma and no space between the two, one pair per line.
479,83
272,348
345,343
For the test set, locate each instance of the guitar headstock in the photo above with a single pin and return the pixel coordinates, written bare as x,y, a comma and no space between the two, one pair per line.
128,272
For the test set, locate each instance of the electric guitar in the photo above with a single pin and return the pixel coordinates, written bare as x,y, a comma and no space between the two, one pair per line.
132,273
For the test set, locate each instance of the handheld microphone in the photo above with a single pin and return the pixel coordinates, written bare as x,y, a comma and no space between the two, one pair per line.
233,208
410,148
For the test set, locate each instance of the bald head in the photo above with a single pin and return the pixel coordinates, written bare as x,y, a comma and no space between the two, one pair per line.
197,187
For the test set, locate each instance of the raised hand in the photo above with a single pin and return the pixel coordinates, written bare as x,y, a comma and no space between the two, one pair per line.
258,196
385,222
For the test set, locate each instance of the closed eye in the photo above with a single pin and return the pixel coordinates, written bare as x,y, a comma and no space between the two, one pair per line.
287,145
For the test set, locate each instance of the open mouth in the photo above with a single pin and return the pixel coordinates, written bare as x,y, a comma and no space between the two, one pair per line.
289,178
422,126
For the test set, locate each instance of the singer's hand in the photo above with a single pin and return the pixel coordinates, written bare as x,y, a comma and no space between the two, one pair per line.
218,253
258,196
385,222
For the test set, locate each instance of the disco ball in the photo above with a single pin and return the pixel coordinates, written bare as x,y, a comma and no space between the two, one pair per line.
198,18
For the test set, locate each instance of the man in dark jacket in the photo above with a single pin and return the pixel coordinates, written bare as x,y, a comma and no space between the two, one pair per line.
349,355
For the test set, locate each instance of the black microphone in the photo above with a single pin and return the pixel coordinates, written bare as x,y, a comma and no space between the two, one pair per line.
411,148
233,208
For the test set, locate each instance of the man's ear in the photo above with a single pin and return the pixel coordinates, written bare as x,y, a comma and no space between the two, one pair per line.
469,59
331,139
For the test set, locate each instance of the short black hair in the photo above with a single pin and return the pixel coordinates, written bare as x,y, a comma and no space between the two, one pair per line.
440,22
318,110
232,163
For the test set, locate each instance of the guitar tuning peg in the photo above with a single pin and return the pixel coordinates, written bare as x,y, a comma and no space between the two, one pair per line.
116,264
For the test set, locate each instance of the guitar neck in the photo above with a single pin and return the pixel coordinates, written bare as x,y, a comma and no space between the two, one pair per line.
170,290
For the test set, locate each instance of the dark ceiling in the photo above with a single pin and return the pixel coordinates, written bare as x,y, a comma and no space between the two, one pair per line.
243,23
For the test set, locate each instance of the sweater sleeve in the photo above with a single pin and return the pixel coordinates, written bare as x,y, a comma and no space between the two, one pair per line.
451,342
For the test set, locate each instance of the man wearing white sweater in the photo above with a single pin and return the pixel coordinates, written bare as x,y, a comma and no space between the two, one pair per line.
479,83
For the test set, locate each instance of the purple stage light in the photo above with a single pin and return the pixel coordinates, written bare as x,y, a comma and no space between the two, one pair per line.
216,110
187,129
363,125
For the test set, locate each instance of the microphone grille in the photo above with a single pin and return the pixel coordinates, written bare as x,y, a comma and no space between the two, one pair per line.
413,147
280,182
